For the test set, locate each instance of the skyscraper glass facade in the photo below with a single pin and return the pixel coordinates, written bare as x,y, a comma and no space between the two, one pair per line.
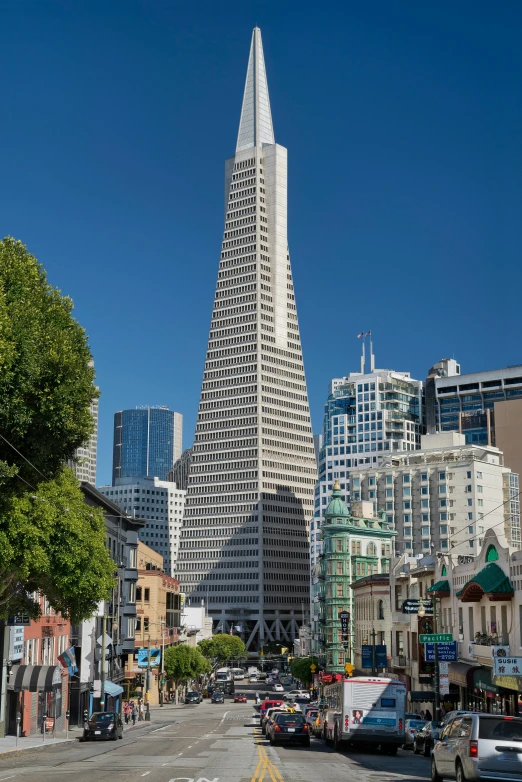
147,442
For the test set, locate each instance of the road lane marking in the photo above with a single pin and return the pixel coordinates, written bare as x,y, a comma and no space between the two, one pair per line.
146,774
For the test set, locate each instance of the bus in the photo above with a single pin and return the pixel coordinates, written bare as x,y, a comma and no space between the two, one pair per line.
238,674
224,681
365,711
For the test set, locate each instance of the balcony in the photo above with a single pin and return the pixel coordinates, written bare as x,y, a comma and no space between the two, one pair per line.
400,661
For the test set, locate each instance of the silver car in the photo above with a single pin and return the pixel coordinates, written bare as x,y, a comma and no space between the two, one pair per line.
479,746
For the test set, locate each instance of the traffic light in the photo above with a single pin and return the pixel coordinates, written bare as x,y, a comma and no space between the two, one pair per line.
138,680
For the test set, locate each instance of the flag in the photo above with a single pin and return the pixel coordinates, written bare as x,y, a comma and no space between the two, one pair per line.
360,335
68,660
368,334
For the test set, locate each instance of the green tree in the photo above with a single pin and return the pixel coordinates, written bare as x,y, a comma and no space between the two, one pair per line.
300,668
49,539
222,647
183,663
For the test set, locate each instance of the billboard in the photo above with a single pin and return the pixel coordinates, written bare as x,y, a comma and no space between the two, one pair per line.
143,658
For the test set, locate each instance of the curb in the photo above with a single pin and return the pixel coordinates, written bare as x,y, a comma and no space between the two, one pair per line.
16,751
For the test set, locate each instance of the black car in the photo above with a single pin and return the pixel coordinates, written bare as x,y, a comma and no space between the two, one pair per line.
288,729
193,697
218,697
103,725
425,739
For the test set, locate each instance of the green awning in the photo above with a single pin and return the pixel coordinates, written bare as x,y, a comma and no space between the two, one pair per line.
491,580
440,586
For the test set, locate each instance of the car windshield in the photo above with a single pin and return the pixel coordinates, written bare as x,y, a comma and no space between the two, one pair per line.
107,716
190,694
501,728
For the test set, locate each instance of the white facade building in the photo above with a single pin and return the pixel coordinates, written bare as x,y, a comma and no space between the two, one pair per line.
245,544
85,457
442,497
161,504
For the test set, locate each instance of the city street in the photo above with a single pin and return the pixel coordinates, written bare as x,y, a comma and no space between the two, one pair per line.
207,742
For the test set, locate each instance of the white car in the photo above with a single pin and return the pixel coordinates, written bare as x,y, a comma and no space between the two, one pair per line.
293,694
278,688
253,679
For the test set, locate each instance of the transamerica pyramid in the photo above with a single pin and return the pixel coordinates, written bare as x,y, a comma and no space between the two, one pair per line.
244,547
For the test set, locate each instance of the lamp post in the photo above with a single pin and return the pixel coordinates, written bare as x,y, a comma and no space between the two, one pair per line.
162,675
422,613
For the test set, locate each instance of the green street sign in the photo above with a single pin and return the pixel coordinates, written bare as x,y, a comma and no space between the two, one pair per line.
436,638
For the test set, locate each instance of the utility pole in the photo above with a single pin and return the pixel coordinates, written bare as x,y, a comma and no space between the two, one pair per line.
374,654
162,675
102,673
436,660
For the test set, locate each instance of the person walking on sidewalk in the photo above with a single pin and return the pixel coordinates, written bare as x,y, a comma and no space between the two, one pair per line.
134,714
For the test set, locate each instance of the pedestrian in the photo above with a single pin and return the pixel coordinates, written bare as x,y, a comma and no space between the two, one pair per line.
141,710
134,714
427,715
127,712
257,698
422,714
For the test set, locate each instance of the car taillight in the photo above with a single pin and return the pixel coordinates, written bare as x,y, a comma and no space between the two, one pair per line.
473,749
346,721
400,723
277,729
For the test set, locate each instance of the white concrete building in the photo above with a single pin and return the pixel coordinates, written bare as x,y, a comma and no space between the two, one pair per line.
442,497
85,457
245,546
161,504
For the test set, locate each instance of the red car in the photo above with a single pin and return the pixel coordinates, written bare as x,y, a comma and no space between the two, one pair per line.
240,699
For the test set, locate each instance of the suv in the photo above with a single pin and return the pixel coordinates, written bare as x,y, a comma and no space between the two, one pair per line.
193,697
479,746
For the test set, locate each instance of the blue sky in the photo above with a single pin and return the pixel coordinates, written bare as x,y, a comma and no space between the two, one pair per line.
402,122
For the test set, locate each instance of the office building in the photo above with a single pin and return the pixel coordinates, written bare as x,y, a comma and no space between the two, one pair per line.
180,471
486,407
160,504
84,461
356,545
367,416
444,496
147,442
244,546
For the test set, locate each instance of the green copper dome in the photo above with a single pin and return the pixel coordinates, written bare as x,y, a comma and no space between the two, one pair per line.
337,508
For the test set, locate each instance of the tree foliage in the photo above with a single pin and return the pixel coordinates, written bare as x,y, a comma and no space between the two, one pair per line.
300,668
49,539
222,647
183,663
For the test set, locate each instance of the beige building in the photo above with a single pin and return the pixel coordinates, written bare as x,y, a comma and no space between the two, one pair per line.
508,432
158,617
372,615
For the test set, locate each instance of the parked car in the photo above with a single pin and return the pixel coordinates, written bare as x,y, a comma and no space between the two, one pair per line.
240,699
295,695
218,697
425,738
452,714
479,746
193,697
106,725
278,688
411,728
270,714
310,717
289,729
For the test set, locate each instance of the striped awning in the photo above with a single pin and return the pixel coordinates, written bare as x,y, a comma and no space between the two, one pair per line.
35,678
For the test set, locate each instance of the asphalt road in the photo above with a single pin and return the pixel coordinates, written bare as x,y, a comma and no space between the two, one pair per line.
206,742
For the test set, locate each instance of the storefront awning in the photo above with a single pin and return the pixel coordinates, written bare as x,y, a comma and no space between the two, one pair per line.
35,678
421,696
112,689
462,674
491,581
440,588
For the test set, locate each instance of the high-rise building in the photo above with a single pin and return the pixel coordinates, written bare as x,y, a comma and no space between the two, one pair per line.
486,407
84,462
244,546
180,471
443,497
367,416
147,442
160,504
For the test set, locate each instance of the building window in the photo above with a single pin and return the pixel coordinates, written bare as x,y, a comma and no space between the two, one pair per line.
138,594
339,568
340,590
133,558
147,594
146,624
132,592
380,609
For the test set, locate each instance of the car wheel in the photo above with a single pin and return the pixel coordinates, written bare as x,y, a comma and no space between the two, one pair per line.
336,743
435,776
416,751
391,751
115,737
459,772
306,743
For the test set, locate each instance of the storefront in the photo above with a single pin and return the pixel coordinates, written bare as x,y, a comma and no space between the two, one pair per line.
511,691
461,685
485,696
35,692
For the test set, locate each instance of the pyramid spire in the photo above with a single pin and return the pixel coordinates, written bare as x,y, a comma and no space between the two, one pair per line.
255,126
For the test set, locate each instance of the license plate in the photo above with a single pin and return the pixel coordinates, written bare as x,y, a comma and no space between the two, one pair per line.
291,730
97,732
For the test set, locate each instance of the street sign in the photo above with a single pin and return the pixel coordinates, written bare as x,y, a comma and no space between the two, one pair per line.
446,652
18,620
349,668
143,658
97,688
507,666
444,684
108,640
313,667
443,668
380,656
413,607
435,638
344,617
